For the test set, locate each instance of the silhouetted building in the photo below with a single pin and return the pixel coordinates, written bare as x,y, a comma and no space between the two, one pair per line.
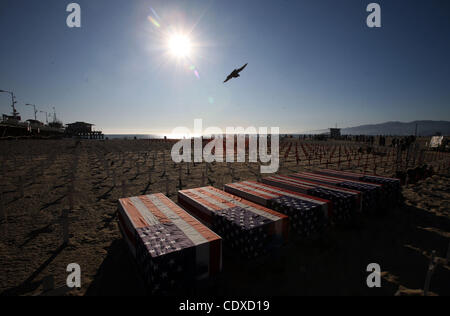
335,132
83,130
79,128
11,118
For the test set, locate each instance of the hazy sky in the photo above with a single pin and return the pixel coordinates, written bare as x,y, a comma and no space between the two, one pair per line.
312,63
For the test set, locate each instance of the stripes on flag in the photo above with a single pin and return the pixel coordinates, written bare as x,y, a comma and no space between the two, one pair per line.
391,186
171,247
307,214
371,193
247,227
345,201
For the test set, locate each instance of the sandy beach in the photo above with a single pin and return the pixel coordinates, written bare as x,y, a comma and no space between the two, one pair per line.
41,178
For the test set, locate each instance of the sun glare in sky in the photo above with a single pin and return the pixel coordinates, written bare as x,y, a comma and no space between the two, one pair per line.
175,41
180,46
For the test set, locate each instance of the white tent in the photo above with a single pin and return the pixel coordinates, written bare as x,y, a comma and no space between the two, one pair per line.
436,141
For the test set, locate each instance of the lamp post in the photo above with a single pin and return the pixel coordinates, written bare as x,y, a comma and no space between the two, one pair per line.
13,104
54,114
35,111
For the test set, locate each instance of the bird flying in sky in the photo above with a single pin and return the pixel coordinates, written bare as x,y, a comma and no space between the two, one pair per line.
235,73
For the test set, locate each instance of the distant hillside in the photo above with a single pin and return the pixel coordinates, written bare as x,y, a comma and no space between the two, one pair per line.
424,128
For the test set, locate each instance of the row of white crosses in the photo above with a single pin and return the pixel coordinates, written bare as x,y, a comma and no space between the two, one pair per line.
21,178
64,220
125,187
205,178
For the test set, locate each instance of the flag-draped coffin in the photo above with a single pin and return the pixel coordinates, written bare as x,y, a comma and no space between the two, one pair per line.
170,246
391,186
345,201
308,215
249,228
372,194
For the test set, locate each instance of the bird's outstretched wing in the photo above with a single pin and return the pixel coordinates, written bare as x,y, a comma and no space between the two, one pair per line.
242,68
235,73
230,76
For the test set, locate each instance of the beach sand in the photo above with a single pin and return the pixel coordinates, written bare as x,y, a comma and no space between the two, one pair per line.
40,176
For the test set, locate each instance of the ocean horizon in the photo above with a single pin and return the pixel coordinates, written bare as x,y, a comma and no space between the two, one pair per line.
161,136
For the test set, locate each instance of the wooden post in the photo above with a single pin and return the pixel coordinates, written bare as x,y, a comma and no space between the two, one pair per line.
114,177
4,213
431,268
64,221
231,173
167,186
149,175
164,164
70,192
399,158
416,148
180,183
188,171
203,178
154,160
408,156
367,163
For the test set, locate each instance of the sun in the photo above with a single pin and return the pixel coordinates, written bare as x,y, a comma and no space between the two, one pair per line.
180,46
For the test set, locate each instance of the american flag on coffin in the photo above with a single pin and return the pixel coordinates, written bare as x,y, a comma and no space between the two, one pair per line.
391,186
170,246
249,228
372,197
307,214
345,201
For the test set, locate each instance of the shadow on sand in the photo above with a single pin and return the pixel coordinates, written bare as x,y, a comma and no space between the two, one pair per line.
29,284
334,265
118,274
